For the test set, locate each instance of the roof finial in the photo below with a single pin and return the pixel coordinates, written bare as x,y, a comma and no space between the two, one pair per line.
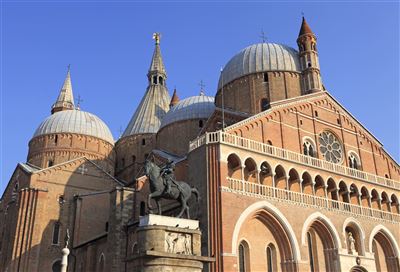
202,85
262,36
78,102
157,37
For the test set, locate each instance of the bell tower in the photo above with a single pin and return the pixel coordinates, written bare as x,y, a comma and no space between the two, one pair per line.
157,73
311,76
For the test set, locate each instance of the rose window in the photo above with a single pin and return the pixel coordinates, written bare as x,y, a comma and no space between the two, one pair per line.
330,147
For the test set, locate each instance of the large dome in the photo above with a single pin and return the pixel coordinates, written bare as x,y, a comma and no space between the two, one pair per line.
195,107
260,57
75,121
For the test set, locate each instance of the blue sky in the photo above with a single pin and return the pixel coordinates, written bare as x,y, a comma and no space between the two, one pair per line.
109,47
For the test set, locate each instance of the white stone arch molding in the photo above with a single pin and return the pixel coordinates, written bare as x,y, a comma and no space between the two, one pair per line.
326,221
279,216
359,228
388,234
309,139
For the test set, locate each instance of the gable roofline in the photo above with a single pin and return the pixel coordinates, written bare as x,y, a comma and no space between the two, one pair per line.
77,159
304,98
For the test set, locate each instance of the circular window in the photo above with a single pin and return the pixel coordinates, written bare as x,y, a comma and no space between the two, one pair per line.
330,147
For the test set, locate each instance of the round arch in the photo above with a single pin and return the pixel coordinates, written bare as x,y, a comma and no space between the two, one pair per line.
352,222
325,220
264,205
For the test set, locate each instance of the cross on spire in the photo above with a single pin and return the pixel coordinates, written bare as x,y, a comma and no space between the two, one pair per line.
202,85
262,36
78,102
302,13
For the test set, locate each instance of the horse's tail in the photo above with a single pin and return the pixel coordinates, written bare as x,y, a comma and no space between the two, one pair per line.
196,192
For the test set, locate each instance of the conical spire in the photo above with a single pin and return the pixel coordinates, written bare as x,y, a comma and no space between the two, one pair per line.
65,100
155,102
305,28
157,64
174,99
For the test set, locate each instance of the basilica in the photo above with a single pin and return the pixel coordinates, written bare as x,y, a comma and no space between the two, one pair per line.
287,178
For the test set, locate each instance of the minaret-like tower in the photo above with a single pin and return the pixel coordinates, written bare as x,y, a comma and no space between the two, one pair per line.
138,139
65,100
311,76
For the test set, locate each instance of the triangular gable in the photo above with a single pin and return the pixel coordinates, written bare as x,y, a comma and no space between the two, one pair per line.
69,163
320,97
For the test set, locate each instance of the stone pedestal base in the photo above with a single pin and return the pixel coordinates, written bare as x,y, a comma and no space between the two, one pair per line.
168,244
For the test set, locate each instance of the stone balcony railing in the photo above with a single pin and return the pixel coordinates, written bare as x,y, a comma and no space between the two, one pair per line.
247,144
263,191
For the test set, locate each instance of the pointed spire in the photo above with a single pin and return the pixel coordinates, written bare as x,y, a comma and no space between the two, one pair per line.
154,105
305,28
174,99
157,64
65,100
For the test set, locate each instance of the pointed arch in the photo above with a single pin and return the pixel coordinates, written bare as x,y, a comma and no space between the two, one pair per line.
322,240
358,233
234,166
266,207
385,248
280,177
294,180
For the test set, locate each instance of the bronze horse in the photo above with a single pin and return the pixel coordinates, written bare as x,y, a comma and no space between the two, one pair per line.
180,190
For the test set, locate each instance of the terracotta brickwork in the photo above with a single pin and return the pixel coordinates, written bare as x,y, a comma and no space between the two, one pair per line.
246,93
52,149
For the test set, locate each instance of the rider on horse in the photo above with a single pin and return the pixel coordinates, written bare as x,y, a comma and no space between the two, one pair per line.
167,173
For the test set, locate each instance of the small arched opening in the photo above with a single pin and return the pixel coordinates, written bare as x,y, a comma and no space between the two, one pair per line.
365,197
266,174
234,166
280,177
354,194
385,204
375,200
307,183
319,186
395,204
343,192
250,170
294,181
332,190
271,258
244,256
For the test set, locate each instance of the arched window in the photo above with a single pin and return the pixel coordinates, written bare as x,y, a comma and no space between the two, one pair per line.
309,148
244,262
264,104
133,159
56,233
310,251
200,123
266,77
160,79
143,141
56,139
154,79
269,142
56,267
271,258
50,163
102,263
354,161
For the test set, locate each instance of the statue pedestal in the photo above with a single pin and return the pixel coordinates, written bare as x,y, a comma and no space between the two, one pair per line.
168,244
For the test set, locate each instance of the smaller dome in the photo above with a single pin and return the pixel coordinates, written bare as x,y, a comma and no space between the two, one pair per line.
75,121
194,107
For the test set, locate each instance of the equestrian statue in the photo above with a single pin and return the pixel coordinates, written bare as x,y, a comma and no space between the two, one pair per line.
163,185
